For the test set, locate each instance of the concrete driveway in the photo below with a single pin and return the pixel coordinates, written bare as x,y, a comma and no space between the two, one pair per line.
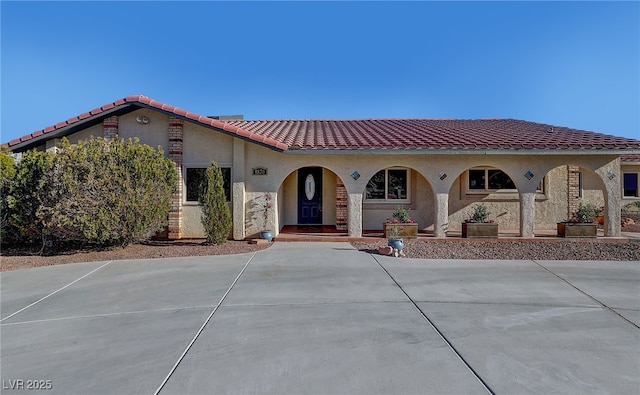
322,318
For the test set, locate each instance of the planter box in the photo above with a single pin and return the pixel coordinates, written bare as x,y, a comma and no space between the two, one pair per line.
409,231
471,229
576,229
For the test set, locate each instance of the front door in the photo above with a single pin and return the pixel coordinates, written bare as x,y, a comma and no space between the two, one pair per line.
310,195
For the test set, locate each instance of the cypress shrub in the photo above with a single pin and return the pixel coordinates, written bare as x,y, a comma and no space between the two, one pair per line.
216,217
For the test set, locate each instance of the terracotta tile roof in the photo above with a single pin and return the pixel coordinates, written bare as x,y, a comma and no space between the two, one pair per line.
436,134
131,103
630,158
365,134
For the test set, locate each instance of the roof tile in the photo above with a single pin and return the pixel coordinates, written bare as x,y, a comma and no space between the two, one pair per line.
383,134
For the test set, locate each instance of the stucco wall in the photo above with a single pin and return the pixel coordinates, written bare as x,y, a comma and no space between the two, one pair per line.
290,199
86,134
200,147
155,133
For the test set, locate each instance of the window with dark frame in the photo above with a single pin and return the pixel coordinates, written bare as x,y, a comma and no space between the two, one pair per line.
388,185
477,179
499,180
489,180
196,175
630,185
580,187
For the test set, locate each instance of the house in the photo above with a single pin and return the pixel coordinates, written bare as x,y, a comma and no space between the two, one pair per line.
351,174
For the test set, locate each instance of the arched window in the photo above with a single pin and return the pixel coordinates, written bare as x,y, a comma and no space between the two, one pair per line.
389,185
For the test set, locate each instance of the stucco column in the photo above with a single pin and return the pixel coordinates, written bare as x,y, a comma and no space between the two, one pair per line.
610,175
238,198
441,219
527,213
354,214
238,192
613,218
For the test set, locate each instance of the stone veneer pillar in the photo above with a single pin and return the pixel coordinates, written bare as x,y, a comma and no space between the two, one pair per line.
341,205
573,189
441,218
354,212
238,199
175,154
527,213
110,127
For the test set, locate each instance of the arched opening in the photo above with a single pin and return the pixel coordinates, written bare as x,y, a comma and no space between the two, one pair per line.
564,188
397,186
313,198
489,185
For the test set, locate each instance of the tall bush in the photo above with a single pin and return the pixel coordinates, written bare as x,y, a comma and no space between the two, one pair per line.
216,217
7,173
107,192
26,194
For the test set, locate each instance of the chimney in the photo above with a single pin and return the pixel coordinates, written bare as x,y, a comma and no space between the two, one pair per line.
227,117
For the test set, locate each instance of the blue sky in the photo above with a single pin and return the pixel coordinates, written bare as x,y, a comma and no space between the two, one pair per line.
574,64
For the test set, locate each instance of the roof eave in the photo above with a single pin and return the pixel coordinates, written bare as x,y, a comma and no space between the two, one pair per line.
466,151
72,128
133,105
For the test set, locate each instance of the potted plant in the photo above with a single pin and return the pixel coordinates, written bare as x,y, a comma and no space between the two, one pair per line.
266,233
478,224
599,213
395,240
401,224
581,224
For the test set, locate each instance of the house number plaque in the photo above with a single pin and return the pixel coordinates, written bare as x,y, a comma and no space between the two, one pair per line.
260,171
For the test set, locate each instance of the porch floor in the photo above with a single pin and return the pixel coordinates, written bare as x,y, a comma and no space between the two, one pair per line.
328,233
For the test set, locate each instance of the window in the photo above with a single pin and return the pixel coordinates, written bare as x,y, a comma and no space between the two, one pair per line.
196,175
485,180
389,185
630,185
580,185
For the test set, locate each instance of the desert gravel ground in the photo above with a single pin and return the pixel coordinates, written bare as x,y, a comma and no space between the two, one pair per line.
538,250
12,259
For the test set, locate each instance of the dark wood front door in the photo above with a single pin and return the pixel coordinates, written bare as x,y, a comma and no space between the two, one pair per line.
310,195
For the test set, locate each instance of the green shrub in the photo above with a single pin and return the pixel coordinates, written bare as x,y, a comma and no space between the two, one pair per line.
107,192
479,214
7,173
585,213
26,194
216,217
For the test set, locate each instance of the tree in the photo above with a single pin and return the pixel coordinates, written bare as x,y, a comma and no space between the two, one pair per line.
216,217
